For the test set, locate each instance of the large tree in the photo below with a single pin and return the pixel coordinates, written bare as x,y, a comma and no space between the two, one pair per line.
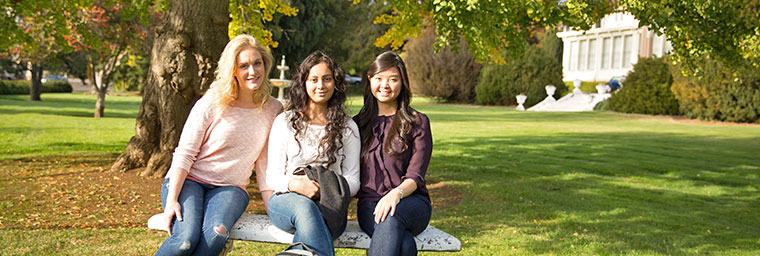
186,48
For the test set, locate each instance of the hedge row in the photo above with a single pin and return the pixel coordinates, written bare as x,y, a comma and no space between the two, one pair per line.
719,93
646,90
22,86
447,75
499,84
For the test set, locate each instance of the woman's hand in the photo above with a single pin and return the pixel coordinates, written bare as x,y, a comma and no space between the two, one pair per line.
387,205
172,208
304,186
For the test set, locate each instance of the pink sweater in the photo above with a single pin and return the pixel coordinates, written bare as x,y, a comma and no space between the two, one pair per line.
223,150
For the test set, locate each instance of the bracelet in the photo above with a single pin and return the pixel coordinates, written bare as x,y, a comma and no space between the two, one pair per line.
400,191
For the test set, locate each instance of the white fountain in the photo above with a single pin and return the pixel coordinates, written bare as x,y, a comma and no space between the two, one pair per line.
281,83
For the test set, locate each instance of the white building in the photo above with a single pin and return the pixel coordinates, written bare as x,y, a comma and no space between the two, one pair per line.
608,49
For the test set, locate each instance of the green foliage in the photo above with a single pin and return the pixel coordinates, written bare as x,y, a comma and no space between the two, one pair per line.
300,35
499,84
130,76
719,93
488,27
350,41
22,86
248,17
552,44
586,86
646,90
728,30
446,75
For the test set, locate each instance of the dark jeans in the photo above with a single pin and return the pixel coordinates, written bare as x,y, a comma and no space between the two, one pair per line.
395,235
203,208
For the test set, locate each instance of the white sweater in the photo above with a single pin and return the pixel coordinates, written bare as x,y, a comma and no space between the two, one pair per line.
284,156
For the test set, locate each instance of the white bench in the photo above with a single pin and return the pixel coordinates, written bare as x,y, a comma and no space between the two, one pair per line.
256,227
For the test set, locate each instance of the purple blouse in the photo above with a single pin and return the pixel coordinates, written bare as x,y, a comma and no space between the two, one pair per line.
382,172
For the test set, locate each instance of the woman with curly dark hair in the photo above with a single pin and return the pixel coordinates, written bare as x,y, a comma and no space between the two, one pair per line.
313,131
394,203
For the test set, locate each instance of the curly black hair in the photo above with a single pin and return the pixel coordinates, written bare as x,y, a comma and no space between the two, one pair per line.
336,112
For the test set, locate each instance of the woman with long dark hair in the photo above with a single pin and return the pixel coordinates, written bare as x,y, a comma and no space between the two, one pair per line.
394,203
313,131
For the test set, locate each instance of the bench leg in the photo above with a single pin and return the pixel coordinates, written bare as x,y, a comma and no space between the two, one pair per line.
227,247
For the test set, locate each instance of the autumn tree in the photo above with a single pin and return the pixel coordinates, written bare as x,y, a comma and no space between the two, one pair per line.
187,45
104,32
32,35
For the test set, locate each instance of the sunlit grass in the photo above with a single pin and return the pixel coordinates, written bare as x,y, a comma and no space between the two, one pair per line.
590,183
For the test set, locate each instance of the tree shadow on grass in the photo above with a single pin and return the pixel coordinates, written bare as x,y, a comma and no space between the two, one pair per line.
614,193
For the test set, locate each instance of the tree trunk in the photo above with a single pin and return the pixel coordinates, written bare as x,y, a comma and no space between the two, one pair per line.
101,87
35,89
185,52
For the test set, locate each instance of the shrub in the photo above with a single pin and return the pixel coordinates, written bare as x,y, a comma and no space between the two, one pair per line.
719,93
22,86
646,90
446,75
131,74
499,84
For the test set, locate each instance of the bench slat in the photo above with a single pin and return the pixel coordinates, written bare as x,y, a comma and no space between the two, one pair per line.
256,227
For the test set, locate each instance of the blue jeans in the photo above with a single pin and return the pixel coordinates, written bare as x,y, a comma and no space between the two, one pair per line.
203,208
295,213
395,235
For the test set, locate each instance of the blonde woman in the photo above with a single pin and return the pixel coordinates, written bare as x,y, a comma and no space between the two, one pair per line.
224,139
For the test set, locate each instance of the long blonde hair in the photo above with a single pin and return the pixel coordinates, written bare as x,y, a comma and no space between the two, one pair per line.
225,87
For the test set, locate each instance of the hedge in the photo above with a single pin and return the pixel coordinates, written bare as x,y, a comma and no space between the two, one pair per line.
22,86
719,93
499,84
646,90
447,75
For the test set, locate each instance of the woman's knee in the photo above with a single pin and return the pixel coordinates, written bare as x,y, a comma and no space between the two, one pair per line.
184,243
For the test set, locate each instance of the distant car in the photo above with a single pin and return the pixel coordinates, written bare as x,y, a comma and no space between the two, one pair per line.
53,77
12,76
616,82
353,80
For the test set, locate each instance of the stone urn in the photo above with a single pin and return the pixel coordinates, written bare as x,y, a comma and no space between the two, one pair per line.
602,88
577,84
550,89
520,100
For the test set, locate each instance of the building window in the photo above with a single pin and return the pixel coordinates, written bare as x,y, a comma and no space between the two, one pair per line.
617,47
574,56
591,54
656,46
606,50
628,49
582,55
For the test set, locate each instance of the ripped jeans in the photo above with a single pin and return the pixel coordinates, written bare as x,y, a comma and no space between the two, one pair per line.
204,207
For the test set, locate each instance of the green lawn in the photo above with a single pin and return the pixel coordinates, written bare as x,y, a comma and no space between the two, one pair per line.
523,183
